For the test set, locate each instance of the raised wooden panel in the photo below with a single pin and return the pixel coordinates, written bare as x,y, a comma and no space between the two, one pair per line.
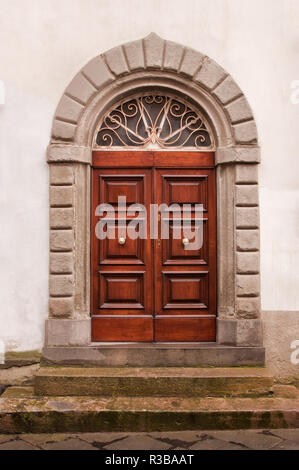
185,290
127,185
129,329
121,290
112,253
185,329
185,189
173,250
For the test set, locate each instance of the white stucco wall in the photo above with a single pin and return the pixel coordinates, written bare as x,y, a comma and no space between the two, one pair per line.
45,43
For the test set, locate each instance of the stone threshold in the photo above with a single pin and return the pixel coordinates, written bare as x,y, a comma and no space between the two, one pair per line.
155,355
147,414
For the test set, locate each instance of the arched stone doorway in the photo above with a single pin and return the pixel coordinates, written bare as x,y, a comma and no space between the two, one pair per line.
103,82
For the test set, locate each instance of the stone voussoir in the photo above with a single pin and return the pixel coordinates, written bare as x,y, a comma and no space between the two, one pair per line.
116,61
81,89
210,74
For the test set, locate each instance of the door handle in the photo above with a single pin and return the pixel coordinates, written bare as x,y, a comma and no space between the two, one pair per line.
121,241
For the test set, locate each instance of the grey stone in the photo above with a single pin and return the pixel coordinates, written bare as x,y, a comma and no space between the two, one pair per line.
58,153
81,89
98,73
287,434
248,263
69,444
245,132
17,444
116,61
135,55
214,444
210,74
61,307
250,439
227,90
61,174
248,307
153,50
237,154
62,240
247,240
173,56
61,218
247,217
63,130
191,62
71,332
68,110
61,196
61,285
246,174
138,442
61,263
247,195
239,110
248,285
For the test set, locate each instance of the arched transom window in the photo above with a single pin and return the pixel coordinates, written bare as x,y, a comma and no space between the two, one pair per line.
154,121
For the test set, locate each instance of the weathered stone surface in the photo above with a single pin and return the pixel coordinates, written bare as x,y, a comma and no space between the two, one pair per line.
61,285
191,62
246,174
153,51
227,90
18,375
135,55
58,153
157,356
172,56
61,307
210,74
61,196
248,263
248,439
237,154
249,332
68,110
239,110
62,240
71,332
98,73
81,89
248,285
116,61
247,195
63,130
61,263
247,217
145,414
248,240
245,133
69,444
138,443
17,444
61,174
150,382
248,307
61,218
214,444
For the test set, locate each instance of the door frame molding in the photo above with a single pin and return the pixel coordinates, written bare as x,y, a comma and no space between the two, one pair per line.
154,63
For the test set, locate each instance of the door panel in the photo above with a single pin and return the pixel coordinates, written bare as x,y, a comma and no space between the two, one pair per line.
154,290
121,273
186,278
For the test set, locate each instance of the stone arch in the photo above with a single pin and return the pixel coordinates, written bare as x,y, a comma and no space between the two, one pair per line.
154,62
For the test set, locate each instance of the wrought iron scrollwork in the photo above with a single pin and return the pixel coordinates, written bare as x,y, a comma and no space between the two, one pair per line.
154,120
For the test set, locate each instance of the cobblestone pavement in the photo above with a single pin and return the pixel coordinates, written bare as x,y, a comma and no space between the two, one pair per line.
276,439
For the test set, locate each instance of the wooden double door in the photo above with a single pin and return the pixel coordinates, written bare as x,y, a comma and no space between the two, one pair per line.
149,288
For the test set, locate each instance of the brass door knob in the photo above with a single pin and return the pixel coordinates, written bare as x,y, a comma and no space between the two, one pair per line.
121,241
185,241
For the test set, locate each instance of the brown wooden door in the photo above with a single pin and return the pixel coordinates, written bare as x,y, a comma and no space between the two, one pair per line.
154,289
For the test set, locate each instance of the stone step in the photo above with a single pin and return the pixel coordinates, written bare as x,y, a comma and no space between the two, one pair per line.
147,414
155,381
155,355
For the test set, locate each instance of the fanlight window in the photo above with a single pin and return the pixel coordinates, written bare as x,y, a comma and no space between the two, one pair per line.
154,121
